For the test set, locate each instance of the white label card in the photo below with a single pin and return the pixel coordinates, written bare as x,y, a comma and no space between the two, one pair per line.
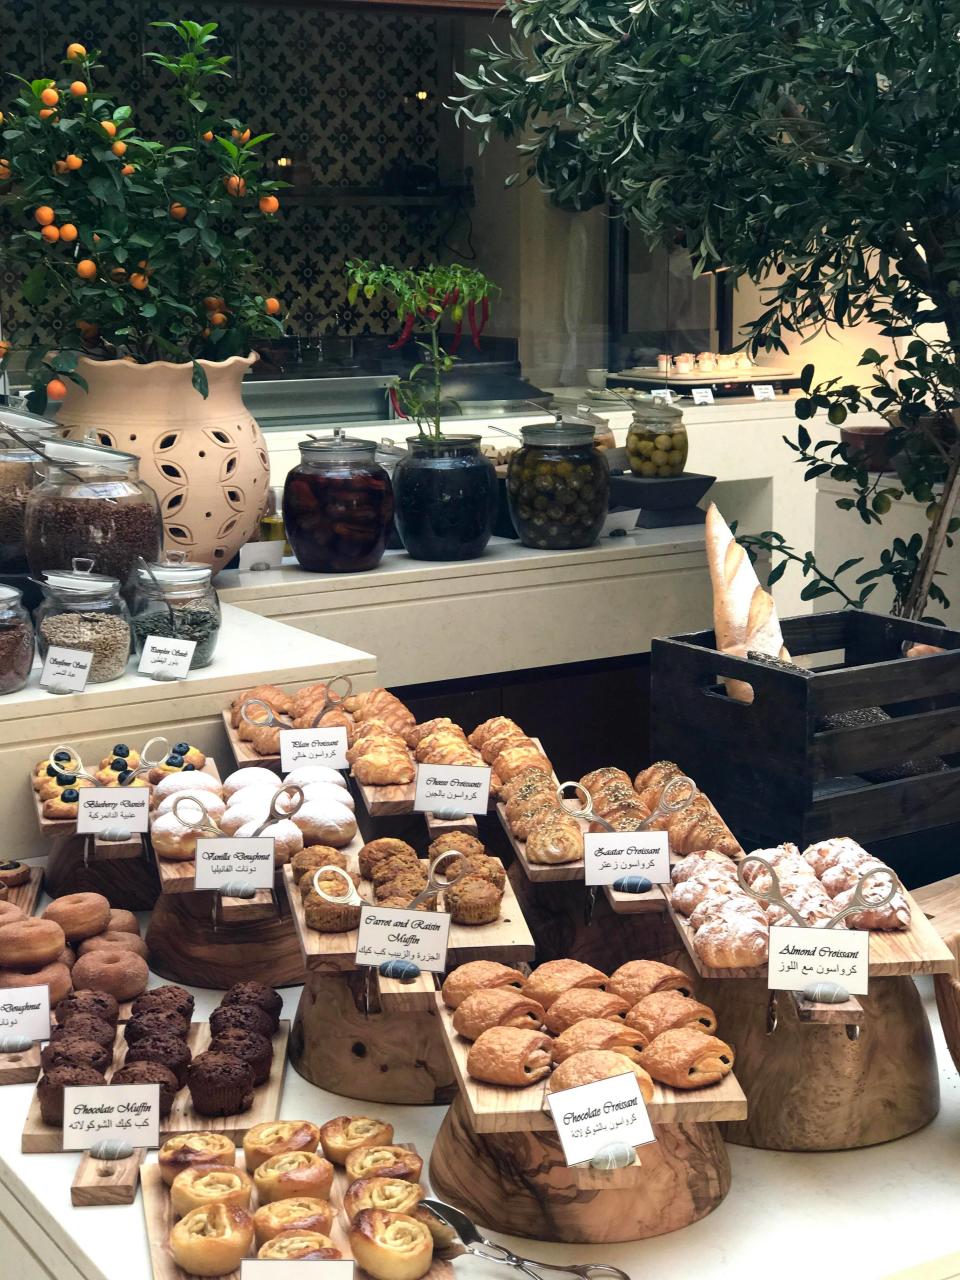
799,957
257,556
271,1269
111,1113
763,391
25,1011
221,859
170,658
393,933
103,807
702,395
313,746
65,670
593,1116
608,855
663,394
465,786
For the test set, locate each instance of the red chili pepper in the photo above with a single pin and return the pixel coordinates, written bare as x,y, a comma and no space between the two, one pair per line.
457,335
455,295
472,317
484,313
405,333
395,401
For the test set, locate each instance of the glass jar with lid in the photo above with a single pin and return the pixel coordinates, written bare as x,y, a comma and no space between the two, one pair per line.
19,472
91,503
656,439
176,600
558,487
337,506
16,641
85,611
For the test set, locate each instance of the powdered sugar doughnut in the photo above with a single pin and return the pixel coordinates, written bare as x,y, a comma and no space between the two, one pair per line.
288,839
194,780
243,812
249,777
172,840
209,799
325,793
304,774
326,822
246,795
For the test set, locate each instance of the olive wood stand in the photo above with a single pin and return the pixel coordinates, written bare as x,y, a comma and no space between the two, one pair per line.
941,902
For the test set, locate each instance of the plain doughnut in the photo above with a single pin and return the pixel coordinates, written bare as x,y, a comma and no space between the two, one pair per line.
56,976
30,943
9,911
117,971
123,921
79,915
115,938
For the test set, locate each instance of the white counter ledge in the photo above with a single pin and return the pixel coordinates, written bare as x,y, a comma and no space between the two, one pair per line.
511,609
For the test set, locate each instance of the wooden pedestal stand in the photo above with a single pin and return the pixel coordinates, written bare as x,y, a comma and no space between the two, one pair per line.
813,1087
497,1157
364,1036
941,902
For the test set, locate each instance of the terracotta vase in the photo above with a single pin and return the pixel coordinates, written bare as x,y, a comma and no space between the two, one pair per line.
205,458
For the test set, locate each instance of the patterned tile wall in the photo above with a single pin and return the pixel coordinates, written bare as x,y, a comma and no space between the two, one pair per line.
336,87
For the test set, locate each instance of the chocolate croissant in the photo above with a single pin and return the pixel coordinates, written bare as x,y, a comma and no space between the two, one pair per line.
666,1011
599,1033
583,1002
639,978
478,975
555,977
590,1065
509,1056
687,1059
496,1007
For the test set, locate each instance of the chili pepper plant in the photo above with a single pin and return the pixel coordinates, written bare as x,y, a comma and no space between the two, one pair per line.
424,300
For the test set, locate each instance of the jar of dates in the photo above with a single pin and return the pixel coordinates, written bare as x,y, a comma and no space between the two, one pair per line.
558,487
337,506
656,439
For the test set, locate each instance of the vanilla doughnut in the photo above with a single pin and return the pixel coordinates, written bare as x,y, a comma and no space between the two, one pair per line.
115,938
79,915
254,776
117,971
193,780
56,976
287,838
326,822
30,943
259,794
305,774
324,792
213,804
172,840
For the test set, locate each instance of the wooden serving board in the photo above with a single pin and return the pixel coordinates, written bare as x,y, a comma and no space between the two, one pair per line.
20,1068
893,953
243,753
539,873
507,939
497,1109
40,1137
159,1219
25,895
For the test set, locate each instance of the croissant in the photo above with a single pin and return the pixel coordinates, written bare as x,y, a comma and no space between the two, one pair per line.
536,788
379,704
649,783
828,853
733,940
583,1002
500,741
667,1010
265,739
451,752
452,736
894,914
384,766
590,1065
537,810
695,862
496,1007
811,903
711,833
599,777
279,702
599,1033
555,977
532,773
723,900
687,1059
414,735
515,759
308,696
845,874
555,838
476,976
614,795
686,895
639,978
493,725
509,1056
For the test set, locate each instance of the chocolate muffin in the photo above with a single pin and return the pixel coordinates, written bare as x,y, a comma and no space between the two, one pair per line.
99,1004
220,1084
150,1073
74,1051
87,1027
257,993
165,998
252,1048
50,1089
166,1048
248,1017
156,1023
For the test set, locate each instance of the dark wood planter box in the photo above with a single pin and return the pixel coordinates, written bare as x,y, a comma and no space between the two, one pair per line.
774,770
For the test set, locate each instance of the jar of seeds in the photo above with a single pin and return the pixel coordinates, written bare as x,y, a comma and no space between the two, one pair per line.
19,472
176,600
91,503
84,610
16,641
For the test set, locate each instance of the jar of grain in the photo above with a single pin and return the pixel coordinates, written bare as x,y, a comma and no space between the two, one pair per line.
176,600
91,503
85,611
16,641
19,473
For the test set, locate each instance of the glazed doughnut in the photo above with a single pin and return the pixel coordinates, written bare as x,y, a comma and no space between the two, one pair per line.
9,911
30,943
122,921
56,976
252,777
209,799
174,783
287,838
13,874
115,938
118,972
172,840
79,915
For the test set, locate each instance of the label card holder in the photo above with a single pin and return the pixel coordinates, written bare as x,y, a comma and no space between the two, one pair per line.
389,933
167,657
466,787
65,670
221,859
255,557
608,855
25,1011
111,1113
593,1116
763,391
313,746
799,957
103,807
702,395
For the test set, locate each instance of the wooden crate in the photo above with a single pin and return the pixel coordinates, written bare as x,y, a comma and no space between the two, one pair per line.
774,770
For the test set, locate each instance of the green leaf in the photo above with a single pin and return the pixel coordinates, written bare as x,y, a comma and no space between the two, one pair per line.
34,288
803,437
776,573
847,564
806,377
811,591
199,379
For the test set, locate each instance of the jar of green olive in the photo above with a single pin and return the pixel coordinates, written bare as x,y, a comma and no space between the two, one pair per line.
657,439
558,487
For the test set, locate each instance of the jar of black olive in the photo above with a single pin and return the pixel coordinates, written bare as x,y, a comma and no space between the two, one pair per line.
558,487
337,506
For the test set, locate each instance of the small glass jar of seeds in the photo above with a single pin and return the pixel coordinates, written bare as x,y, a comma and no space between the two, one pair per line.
176,600
16,641
85,611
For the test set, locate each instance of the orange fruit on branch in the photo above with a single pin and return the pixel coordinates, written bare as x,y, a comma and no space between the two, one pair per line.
78,89
217,319
86,269
60,166
75,52
68,232
56,390
44,215
235,185
118,148
47,112
4,351
73,162
214,304
5,171
108,128
237,136
178,211
51,234
272,306
139,280
128,169
269,204
208,135
49,97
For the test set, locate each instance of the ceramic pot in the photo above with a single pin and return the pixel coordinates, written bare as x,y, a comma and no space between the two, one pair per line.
446,498
205,459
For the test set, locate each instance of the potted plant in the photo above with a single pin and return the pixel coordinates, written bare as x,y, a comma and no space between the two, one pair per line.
445,489
808,147
143,283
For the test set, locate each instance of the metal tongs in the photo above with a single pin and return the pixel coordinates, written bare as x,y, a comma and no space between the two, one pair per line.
678,793
479,1247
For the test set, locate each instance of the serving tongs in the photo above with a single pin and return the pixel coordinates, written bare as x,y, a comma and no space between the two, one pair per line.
479,1247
